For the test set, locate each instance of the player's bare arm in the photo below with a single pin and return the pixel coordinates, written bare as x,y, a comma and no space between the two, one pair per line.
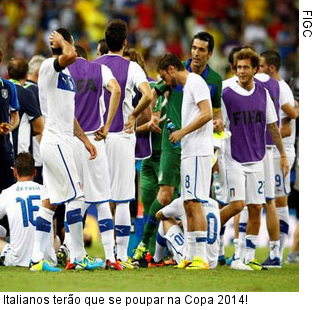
38,125
79,133
152,125
115,90
68,51
144,102
276,137
285,129
204,117
291,111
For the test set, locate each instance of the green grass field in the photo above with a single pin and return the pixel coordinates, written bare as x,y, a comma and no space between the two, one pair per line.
223,279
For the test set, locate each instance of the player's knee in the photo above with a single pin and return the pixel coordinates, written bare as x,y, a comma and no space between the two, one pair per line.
165,197
255,214
237,206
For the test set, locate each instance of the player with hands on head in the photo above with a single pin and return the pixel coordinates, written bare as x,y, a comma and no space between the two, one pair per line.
61,180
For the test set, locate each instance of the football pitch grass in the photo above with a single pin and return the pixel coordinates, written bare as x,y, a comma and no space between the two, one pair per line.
164,279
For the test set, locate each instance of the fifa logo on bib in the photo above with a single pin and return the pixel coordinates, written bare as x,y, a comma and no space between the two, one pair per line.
232,192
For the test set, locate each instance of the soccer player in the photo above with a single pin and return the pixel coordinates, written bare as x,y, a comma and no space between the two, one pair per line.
247,109
92,80
32,84
9,120
31,120
21,203
196,136
102,48
121,138
56,94
270,64
169,174
171,235
148,143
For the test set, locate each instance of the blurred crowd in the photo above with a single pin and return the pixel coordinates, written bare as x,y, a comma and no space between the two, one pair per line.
156,27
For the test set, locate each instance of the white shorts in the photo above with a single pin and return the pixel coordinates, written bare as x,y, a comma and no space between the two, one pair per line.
196,178
282,184
247,186
121,159
94,173
269,173
59,172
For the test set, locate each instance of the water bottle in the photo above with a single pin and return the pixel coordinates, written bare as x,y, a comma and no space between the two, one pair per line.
171,128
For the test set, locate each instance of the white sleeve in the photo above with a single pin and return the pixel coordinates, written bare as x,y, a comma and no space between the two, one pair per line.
137,74
271,116
200,89
107,75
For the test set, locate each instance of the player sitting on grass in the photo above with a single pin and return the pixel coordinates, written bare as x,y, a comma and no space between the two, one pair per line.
20,203
171,235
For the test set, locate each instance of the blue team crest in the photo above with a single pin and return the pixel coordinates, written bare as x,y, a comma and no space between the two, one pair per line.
66,82
4,93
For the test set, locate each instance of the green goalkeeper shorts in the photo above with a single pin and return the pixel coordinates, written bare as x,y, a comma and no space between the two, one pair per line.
169,173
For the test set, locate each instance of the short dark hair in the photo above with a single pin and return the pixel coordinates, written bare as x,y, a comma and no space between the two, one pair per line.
205,36
170,60
80,51
24,164
115,34
67,35
104,49
272,58
17,68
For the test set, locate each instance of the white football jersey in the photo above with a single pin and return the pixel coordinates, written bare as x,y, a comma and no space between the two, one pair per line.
20,203
200,141
56,97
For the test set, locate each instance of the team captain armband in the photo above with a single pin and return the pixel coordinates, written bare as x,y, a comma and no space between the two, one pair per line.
57,66
216,110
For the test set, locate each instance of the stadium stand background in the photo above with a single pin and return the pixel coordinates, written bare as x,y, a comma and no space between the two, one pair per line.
156,27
